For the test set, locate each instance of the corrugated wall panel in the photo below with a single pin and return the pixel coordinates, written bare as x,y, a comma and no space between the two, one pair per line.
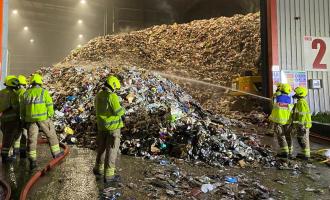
296,19
299,35
282,32
293,35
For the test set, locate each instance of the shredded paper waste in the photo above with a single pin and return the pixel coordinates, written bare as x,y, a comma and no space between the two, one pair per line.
217,51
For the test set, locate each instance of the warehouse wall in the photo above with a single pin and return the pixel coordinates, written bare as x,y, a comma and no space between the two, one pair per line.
296,19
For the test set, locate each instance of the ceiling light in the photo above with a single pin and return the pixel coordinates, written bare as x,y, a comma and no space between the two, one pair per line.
31,40
15,11
83,1
80,21
26,28
80,36
79,45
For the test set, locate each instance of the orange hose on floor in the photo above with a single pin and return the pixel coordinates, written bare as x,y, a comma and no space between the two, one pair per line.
51,164
5,185
7,189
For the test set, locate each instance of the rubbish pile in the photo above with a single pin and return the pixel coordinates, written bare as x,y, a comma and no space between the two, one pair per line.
180,181
217,50
160,117
176,182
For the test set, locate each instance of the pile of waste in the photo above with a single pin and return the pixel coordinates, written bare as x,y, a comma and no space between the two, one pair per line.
176,182
217,50
160,117
171,180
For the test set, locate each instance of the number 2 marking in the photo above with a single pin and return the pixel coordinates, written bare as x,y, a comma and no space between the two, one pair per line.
323,47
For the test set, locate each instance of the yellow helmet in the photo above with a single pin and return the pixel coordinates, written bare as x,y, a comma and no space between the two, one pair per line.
279,85
22,80
36,78
301,91
113,82
11,81
286,88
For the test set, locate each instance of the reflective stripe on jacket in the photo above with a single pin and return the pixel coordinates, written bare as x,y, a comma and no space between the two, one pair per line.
9,105
36,105
108,111
281,113
301,113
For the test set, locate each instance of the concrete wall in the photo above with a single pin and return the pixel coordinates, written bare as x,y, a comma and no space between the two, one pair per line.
296,19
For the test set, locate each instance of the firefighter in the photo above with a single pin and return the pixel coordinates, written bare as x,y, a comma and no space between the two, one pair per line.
277,93
36,111
9,110
302,121
20,143
109,122
281,116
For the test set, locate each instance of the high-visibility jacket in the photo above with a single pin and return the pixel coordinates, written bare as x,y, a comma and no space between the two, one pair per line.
36,105
9,105
108,111
302,114
281,113
21,91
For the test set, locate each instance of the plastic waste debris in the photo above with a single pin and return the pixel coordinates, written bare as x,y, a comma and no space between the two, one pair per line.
230,179
207,188
68,131
164,162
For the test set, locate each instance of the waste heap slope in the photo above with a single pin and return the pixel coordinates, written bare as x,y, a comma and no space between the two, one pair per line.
215,50
160,117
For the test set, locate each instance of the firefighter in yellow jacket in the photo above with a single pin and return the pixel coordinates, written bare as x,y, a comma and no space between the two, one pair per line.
9,115
109,115
281,116
20,143
36,111
275,95
302,121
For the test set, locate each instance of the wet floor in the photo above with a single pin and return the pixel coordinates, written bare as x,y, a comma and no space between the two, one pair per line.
73,179
17,173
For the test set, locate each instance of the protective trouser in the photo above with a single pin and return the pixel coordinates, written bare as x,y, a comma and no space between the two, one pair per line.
108,147
271,131
10,130
303,139
284,138
48,129
21,142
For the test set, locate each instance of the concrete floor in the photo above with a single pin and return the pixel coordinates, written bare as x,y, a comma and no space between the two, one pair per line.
74,179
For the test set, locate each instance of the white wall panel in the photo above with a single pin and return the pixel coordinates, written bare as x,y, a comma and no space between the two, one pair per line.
296,19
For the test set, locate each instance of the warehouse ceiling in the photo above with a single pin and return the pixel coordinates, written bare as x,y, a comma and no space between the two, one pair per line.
43,32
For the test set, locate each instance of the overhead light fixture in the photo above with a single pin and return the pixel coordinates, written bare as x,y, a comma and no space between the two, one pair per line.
79,45
26,28
80,21
81,36
31,40
83,1
15,11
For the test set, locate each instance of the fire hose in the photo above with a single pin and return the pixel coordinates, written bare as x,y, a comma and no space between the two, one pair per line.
7,189
6,186
51,164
